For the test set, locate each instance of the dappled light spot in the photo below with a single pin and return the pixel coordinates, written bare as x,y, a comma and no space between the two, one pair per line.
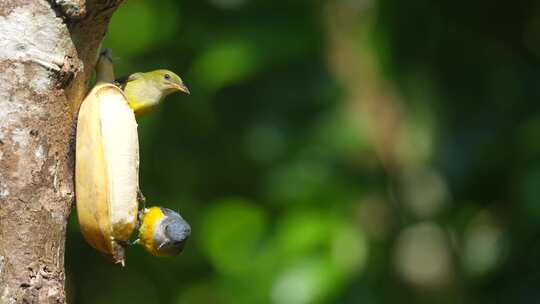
349,248
483,244
422,256
425,191
309,281
226,63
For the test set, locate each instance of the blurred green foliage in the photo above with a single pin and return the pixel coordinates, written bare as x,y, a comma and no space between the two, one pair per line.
273,161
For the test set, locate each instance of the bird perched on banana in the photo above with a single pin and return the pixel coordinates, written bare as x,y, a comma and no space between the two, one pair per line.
162,231
107,165
144,91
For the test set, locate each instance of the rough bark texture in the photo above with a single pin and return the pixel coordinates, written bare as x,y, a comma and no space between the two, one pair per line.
48,50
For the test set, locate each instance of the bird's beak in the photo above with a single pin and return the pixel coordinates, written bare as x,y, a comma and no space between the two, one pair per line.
182,87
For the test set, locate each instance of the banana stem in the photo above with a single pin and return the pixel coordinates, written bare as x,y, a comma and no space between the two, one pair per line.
104,67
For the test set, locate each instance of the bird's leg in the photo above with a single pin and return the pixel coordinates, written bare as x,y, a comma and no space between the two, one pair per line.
140,198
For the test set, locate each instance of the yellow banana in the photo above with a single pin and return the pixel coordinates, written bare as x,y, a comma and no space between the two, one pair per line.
107,167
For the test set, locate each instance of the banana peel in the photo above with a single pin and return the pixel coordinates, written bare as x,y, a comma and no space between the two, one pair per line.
107,167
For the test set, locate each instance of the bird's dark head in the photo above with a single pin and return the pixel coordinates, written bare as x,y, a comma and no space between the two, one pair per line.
177,232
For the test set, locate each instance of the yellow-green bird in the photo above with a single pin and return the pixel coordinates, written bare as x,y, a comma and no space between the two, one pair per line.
144,91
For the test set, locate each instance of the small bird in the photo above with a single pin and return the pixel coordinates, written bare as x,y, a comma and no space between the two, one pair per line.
144,91
163,232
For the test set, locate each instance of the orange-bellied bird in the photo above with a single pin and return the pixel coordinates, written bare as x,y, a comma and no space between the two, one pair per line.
163,232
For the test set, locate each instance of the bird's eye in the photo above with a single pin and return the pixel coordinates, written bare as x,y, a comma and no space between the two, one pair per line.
167,77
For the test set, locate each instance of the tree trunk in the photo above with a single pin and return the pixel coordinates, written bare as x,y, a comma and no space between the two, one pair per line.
48,50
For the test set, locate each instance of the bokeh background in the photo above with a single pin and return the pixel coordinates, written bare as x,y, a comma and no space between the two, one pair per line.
346,151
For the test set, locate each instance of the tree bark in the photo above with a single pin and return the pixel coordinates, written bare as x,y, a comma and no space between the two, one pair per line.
48,50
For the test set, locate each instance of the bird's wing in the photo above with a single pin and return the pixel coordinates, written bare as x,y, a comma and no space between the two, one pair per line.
122,81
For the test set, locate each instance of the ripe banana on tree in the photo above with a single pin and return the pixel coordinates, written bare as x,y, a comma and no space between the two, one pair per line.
107,166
